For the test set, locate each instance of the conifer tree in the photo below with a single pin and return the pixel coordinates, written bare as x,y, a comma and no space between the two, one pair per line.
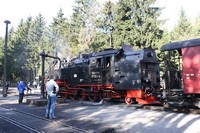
105,27
83,26
196,28
58,35
1,55
19,55
183,29
136,23
36,43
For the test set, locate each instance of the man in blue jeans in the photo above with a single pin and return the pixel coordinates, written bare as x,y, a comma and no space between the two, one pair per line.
21,88
52,88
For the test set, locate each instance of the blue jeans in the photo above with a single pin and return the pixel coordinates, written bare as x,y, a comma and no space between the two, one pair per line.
21,95
51,102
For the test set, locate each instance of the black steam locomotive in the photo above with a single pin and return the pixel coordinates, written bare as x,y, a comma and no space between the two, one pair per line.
132,75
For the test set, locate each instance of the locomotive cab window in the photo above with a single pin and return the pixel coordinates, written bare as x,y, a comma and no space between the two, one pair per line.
107,61
98,62
92,62
95,62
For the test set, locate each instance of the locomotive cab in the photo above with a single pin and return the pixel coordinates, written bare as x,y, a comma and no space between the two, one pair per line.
101,67
138,73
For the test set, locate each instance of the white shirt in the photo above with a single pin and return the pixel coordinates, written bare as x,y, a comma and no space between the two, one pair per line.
50,85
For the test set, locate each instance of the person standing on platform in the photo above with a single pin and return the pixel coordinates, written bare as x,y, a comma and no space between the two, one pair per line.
29,88
34,85
21,88
52,89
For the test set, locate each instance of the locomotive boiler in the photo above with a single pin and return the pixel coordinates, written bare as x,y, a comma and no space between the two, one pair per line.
131,75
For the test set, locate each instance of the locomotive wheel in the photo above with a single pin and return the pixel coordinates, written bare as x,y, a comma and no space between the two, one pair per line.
82,95
73,97
92,96
66,96
128,100
105,95
101,95
60,94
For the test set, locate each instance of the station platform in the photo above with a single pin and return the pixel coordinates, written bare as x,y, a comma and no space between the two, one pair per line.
74,116
30,115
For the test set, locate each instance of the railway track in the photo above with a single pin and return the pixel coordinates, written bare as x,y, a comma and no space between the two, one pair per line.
187,110
157,107
20,125
34,124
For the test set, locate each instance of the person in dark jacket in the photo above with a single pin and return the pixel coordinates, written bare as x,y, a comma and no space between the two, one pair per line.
21,88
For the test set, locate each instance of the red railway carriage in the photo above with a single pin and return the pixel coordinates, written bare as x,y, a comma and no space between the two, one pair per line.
123,73
191,70
183,80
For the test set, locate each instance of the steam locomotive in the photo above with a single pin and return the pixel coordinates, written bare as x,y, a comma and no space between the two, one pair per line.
126,74
134,75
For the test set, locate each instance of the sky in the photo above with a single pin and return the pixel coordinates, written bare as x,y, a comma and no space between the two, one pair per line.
15,10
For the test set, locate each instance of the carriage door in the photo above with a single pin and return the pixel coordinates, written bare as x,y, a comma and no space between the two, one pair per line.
191,70
106,72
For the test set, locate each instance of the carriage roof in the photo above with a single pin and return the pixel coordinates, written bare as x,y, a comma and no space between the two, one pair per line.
181,44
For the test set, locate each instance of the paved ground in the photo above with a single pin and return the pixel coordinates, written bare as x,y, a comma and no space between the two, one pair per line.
112,117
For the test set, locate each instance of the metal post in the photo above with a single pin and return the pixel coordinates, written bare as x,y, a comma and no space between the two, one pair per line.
5,59
43,64
111,30
111,39
42,85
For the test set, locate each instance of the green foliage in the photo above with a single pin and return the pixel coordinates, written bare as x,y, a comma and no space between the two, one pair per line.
36,43
196,28
19,42
58,35
105,27
183,29
91,28
1,55
136,23
83,26
1,50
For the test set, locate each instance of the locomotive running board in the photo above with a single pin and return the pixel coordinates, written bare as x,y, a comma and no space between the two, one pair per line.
149,100
141,98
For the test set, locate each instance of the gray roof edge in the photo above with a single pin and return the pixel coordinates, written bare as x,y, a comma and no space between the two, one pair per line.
181,44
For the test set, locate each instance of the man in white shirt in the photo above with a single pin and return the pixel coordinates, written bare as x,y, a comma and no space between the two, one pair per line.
52,89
